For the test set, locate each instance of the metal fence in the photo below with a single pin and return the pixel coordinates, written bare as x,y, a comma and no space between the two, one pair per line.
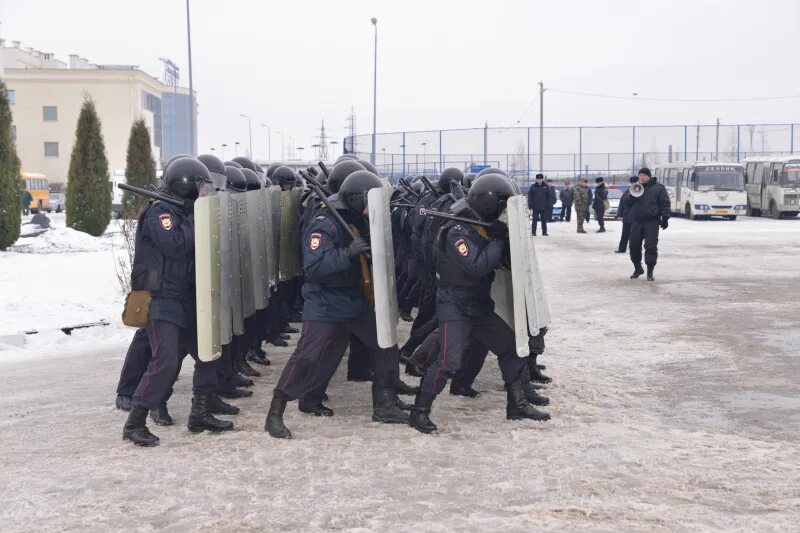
611,151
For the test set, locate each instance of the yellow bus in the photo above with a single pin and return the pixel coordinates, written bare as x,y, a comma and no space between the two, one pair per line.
37,185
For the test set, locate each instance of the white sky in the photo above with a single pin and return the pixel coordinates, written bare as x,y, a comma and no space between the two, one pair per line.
442,64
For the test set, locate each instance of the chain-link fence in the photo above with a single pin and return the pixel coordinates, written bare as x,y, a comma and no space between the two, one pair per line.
588,151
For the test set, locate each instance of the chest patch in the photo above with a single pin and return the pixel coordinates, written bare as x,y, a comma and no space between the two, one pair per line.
462,247
166,221
314,240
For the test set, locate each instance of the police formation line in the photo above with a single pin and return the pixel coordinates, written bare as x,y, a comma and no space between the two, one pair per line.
228,257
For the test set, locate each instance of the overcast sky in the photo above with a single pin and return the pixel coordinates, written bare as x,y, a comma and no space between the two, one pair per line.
442,64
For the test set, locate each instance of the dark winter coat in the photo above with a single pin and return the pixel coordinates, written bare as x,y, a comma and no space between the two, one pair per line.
567,196
652,205
600,196
540,197
623,211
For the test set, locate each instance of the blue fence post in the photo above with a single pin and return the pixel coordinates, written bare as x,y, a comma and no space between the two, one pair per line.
580,151
633,151
404,155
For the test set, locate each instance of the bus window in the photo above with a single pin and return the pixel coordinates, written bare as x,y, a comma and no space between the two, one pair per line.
791,175
776,173
720,177
748,172
758,173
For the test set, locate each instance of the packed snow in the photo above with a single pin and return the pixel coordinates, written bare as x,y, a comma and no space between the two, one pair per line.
675,405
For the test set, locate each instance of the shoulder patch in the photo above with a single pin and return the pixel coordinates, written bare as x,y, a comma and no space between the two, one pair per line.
314,241
166,221
462,247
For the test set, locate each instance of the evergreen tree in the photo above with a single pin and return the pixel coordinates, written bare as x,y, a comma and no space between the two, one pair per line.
88,185
10,183
140,167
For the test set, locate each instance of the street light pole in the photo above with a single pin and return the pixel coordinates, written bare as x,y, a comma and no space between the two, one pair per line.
269,142
333,152
541,127
236,148
223,151
283,156
191,85
374,92
249,130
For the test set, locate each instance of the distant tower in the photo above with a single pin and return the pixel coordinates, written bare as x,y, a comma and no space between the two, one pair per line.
351,128
323,143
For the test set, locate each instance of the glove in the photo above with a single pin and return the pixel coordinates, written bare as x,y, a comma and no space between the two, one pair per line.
357,247
497,230
664,222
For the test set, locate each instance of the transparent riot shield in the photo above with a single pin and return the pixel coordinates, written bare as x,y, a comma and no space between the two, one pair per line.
245,267
380,234
237,306
273,233
207,276
256,213
226,274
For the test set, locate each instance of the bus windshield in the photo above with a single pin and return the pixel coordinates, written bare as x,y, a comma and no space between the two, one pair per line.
724,178
791,175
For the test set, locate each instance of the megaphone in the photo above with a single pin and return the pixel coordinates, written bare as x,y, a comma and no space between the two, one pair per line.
636,190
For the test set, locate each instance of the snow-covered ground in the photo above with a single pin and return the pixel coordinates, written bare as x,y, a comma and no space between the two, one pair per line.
676,406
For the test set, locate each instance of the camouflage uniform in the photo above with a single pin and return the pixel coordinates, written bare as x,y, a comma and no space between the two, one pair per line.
581,205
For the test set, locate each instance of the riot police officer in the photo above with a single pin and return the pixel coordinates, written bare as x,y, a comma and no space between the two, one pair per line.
466,258
336,307
164,265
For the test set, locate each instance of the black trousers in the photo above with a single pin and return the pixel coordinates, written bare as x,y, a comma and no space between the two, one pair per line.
407,296
540,214
599,215
566,211
426,303
170,343
454,339
319,352
647,233
135,365
225,371
626,235
358,360
472,363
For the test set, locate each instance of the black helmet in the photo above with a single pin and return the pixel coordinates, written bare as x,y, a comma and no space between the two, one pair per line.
468,179
267,182
236,180
272,168
418,187
339,173
253,183
174,158
489,194
233,164
449,175
491,170
283,175
217,169
245,163
184,176
369,166
353,192
345,157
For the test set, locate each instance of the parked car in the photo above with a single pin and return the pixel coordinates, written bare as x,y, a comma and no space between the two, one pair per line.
58,202
614,196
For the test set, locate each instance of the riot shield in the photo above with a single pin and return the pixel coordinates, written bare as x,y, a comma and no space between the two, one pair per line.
237,306
246,269
380,235
225,271
207,276
272,220
296,197
258,241
535,299
502,293
288,241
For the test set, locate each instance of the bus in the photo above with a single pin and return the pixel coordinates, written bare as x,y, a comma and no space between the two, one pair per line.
704,189
37,185
773,185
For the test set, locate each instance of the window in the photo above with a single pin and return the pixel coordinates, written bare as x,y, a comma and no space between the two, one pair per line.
12,96
50,113
50,149
776,172
758,172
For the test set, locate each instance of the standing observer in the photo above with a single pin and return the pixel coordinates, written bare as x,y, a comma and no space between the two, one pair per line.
624,213
599,203
581,196
567,198
539,202
649,211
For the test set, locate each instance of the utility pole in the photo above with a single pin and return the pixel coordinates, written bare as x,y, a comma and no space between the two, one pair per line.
716,148
374,93
249,131
697,144
191,85
541,127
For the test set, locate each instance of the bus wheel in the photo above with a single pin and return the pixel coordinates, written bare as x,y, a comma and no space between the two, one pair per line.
774,211
688,212
790,214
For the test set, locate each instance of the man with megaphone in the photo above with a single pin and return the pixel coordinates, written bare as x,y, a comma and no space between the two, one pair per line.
649,211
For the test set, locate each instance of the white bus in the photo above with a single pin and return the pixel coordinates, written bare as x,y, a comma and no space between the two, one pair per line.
704,189
773,185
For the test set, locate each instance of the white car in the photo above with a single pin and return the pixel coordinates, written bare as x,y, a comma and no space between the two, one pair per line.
614,196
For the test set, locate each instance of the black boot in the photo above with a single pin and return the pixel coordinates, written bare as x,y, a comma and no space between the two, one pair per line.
241,381
518,407
274,423
217,407
404,388
386,408
289,329
296,317
254,355
200,417
279,342
123,402
414,370
457,389
135,429
405,316
241,366
316,409
650,269
236,393
160,415
420,414
404,355
533,397
637,272
536,374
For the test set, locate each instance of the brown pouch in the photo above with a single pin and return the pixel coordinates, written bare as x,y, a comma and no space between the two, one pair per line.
137,305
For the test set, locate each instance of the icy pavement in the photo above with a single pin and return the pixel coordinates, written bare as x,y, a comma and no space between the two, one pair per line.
676,406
